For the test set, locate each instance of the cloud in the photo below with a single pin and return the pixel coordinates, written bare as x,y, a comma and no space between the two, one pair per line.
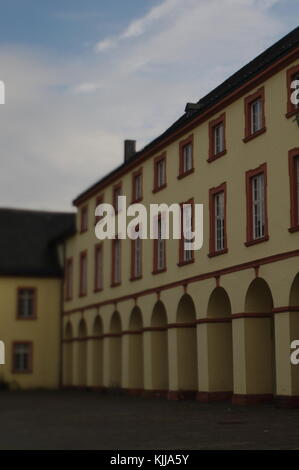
105,45
64,121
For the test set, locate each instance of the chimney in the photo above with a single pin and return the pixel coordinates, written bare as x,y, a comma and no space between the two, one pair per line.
130,149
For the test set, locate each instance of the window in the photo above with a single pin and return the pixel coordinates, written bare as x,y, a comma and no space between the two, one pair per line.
218,237
136,260
159,248
186,157
294,188
26,303
187,216
84,219
22,357
217,142
292,75
99,200
257,223
137,186
83,274
69,279
116,262
98,268
254,114
117,191
159,172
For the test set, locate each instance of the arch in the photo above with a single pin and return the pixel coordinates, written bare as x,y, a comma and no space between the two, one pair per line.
159,348
68,355
135,372
260,339
219,304
97,352
115,345
186,344
82,354
220,342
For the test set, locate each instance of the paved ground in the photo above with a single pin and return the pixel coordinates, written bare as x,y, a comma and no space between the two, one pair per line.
85,420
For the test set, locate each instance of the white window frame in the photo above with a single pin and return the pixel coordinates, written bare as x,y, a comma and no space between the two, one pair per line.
187,157
258,206
219,224
218,138
256,115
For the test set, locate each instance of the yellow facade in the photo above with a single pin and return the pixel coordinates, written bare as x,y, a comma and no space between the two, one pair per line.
217,327
42,332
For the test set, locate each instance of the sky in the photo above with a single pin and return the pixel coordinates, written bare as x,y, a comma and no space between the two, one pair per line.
82,76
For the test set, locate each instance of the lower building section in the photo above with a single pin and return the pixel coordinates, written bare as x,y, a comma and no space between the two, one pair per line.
226,337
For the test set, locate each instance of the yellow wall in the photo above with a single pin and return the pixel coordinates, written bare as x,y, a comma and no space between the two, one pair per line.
44,332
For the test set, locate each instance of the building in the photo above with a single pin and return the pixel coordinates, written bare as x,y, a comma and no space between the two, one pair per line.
30,292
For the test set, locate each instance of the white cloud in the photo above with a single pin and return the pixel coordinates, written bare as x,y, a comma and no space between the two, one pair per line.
105,45
63,123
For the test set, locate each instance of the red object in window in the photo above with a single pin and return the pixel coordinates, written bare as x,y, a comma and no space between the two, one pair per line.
83,274
99,200
160,182
117,191
250,133
250,174
84,219
294,192
184,144
185,258
159,251
22,357
137,186
221,189
98,267
292,74
213,125
69,279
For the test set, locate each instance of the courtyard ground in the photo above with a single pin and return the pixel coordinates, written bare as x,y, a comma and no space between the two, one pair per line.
88,420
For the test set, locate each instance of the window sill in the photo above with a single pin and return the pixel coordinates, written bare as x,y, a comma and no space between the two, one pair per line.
258,240
22,372
137,278
185,263
115,284
27,318
97,290
249,137
83,294
83,230
156,190
136,201
294,229
159,271
212,254
215,157
187,173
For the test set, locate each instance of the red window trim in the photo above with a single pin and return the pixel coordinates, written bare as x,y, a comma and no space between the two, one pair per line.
113,282
84,221
116,188
182,144
260,93
155,255
136,173
83,255
18,313
222,188
68,264
157,159
262,169
99,200
212,124
293,154
291,110
30,369
98,248
133,276
182,262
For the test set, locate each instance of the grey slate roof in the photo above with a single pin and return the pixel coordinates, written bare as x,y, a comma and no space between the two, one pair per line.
27,241
253,68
